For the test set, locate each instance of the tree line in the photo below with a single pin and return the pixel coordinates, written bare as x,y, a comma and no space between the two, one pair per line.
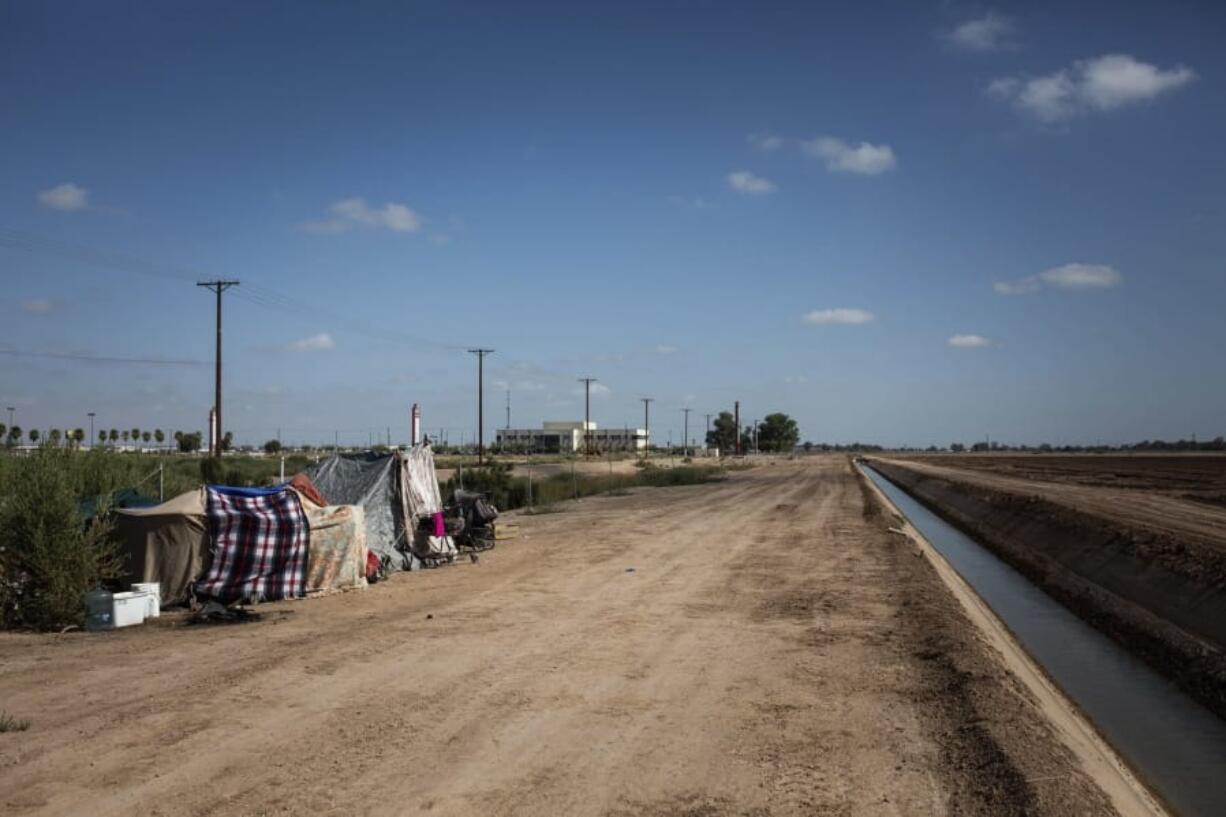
776,433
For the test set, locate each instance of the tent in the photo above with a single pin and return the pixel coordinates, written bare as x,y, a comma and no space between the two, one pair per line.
397,491
167,543
337,558
260,544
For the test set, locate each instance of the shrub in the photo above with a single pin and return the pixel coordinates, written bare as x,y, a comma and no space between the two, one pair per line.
49,554
212,471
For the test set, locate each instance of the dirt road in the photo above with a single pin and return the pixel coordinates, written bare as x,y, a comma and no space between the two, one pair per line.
761,646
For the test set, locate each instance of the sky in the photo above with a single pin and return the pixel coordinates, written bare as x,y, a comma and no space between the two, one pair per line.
902,222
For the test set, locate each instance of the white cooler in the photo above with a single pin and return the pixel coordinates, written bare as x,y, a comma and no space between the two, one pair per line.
153,593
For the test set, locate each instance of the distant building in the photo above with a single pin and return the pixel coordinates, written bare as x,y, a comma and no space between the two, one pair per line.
566,437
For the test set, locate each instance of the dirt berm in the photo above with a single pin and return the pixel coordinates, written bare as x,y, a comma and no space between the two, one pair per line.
1162,597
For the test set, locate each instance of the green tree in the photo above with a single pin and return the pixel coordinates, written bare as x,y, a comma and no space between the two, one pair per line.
125,434
146,436
102,437
54,436
3,431
778,432
34,435
227,441
957,447
136,435
114,436
159,436
272,447
15,435
78,435
188,443
723,433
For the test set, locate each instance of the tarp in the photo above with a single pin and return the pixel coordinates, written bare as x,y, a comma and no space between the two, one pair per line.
396,490
166,543
372,481
259,544
123,498
337,558
422,501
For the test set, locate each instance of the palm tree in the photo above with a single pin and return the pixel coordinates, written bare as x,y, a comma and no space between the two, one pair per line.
34,435
78,434
114,436
54,436
159,435
135,435
3,430
14,435
125,434
146,436
102,437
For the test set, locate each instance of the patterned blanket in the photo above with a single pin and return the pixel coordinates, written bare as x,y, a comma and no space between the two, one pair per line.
259,540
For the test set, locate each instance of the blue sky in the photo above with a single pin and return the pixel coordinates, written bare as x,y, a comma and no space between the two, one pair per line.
901,222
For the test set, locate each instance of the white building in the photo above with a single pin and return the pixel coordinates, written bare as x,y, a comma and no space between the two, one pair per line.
567,437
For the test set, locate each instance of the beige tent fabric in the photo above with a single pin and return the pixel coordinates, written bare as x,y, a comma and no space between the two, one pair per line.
168,544
337,554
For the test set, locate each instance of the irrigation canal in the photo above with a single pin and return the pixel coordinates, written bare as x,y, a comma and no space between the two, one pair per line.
1173,743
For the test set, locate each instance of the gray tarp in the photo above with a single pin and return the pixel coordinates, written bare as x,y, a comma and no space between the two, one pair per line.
372,481
397,490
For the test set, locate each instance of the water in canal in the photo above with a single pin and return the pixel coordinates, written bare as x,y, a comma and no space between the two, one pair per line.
1176,745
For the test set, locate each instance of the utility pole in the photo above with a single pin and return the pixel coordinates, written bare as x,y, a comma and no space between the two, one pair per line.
481,353
11,410
587,414
219,286
91,430
685,439
706,445
736,421
508,409
647,424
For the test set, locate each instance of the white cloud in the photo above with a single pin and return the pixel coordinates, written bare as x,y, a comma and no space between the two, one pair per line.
349,213
1100,84
1081,276
990,32
743,181
766,142
66,196
315,343
1068,276
969,341
839,316
38,306
865,159
665,349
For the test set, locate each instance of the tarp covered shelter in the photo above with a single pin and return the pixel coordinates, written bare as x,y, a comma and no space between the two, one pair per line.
260,543
337,558
397,491
167,543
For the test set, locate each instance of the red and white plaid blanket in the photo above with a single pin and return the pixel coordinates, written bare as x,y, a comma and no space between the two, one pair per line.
259,543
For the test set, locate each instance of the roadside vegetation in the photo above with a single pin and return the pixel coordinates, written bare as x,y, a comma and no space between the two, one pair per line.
509,492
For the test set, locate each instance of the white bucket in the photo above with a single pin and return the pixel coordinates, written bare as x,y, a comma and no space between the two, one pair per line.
153,592
129,608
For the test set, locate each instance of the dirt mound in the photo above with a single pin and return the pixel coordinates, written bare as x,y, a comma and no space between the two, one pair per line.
1163,597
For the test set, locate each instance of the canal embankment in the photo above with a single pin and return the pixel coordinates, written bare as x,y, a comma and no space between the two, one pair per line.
1159,595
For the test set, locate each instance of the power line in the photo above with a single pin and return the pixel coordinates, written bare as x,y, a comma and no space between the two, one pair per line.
153,361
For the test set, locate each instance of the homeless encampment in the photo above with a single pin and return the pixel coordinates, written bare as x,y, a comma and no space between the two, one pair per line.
397,491
167,544
260,541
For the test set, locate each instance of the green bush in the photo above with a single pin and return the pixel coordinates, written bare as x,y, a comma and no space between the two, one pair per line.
212,471
49,554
